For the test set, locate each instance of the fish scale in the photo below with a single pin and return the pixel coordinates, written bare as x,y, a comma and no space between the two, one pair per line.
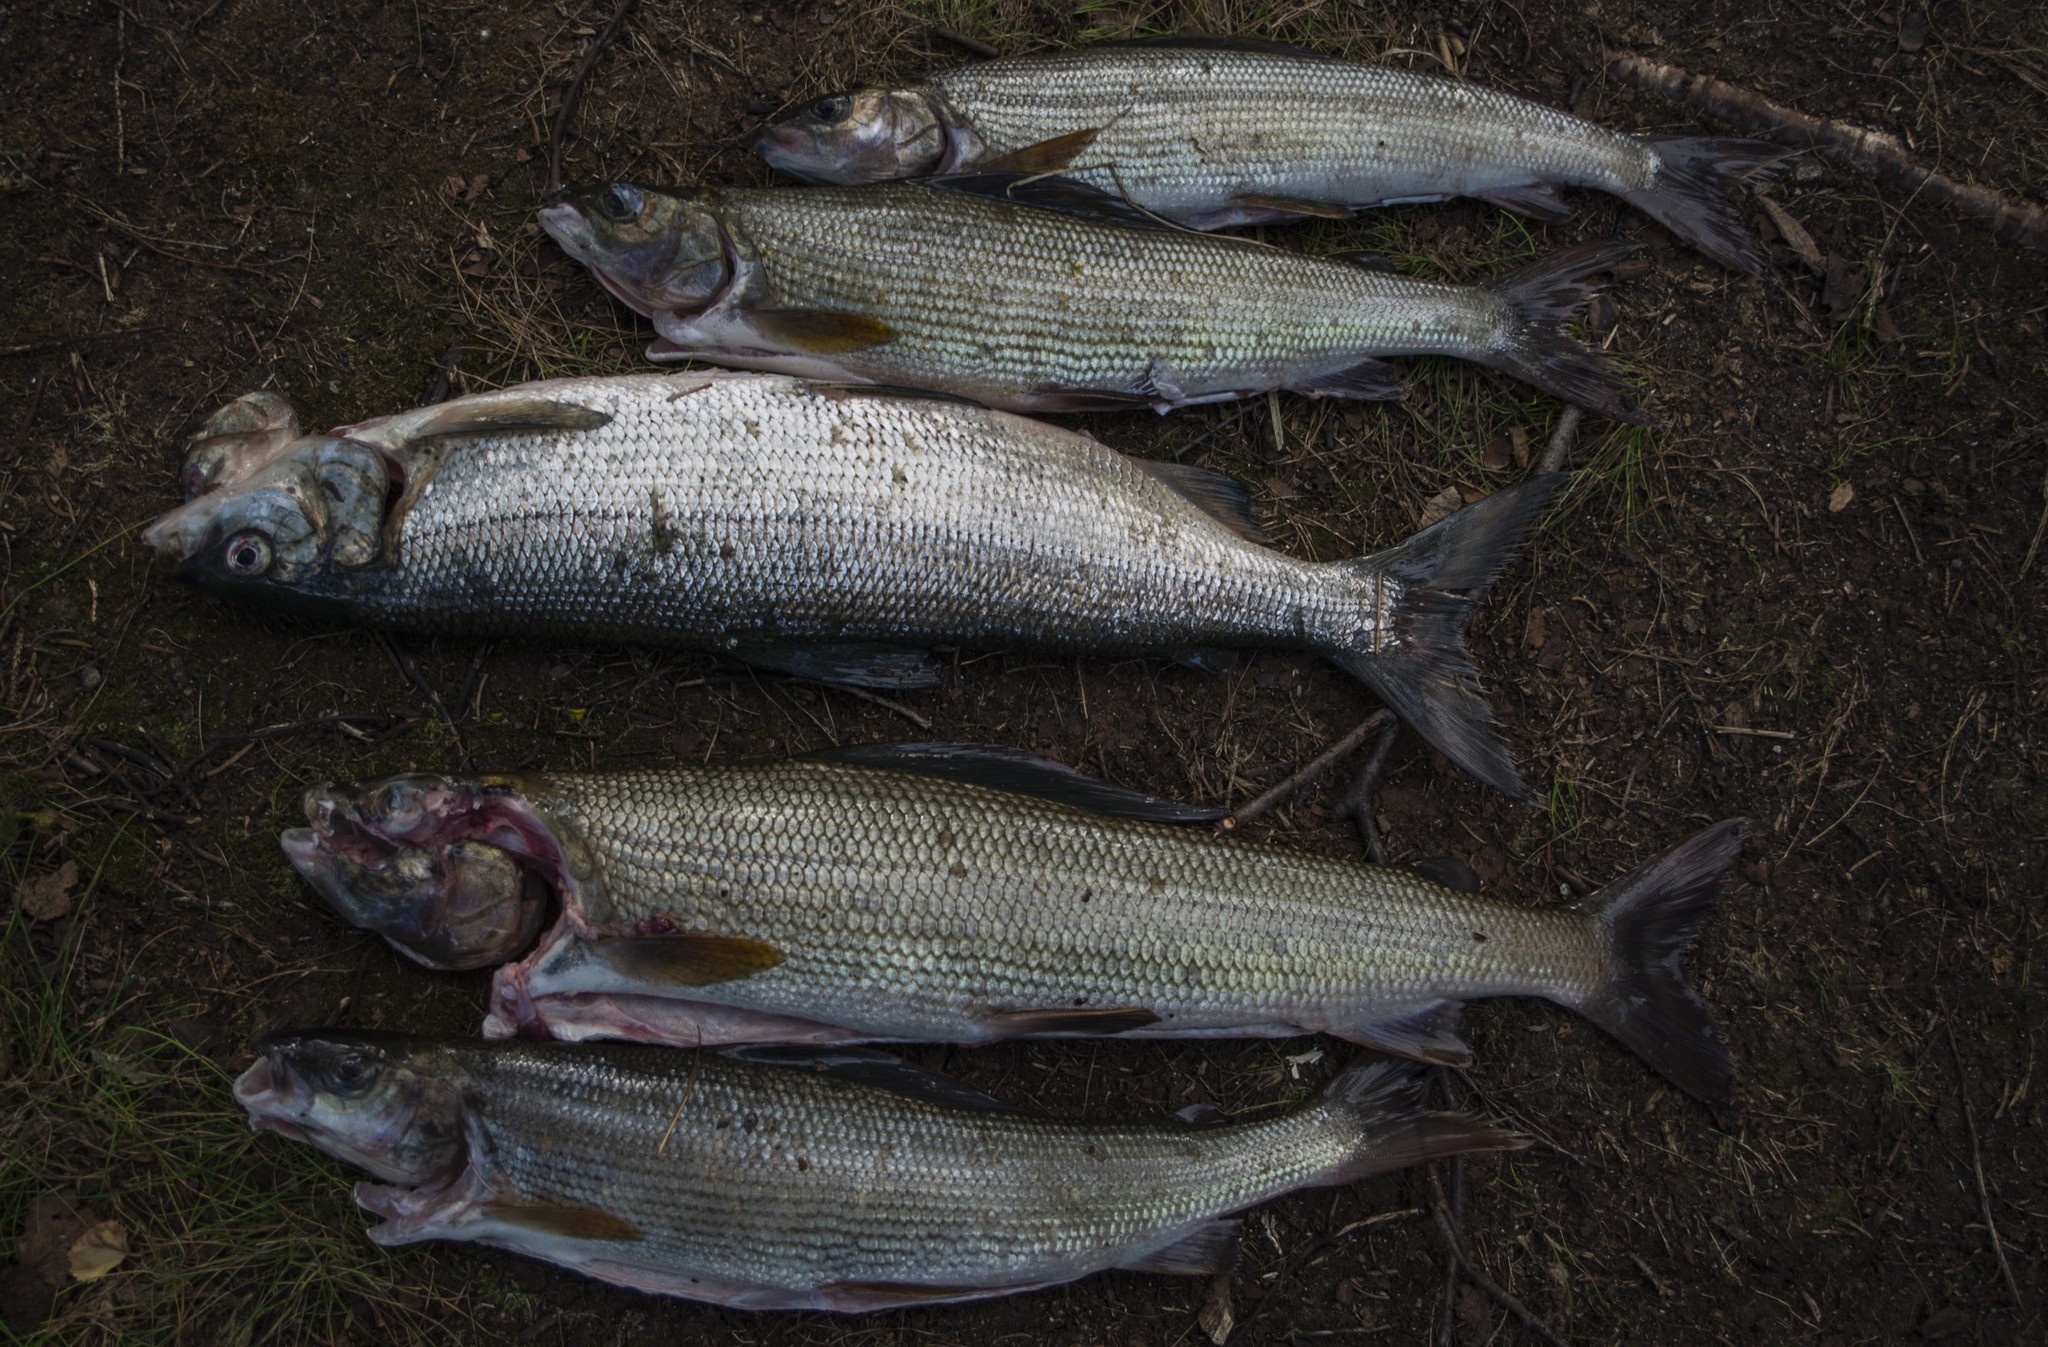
913,908
1187,130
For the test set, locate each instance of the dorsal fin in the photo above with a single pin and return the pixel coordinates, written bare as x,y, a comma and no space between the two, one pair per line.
1215,42
1019,773
1217,494
881,1070
1040,191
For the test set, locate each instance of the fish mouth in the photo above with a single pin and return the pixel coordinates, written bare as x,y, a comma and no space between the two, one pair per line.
256,1090
179,535
781,148
565,223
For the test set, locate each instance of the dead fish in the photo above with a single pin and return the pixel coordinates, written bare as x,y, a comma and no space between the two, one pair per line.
829,533
1213,132
1044,294
940,893
236,440
795,1180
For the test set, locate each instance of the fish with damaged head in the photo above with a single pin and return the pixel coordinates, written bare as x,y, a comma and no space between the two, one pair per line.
943,893
1044,294
831,533
1212,133
794,1179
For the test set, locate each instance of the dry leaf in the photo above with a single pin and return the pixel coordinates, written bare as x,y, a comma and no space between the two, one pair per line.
99,1251
1839,498
1442,505
1216,1318
1794,233
49,897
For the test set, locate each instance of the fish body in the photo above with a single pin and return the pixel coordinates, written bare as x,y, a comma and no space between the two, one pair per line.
1212,134
1045,295
949,894
788,1181
829,533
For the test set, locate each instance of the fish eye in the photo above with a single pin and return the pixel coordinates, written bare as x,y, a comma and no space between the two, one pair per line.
247,555
353,1075
619,203
832,109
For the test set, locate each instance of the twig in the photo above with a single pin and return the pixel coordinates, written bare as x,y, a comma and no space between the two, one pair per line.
411,669
2009,220
574,94
1493,1289
689,1088
1358,804
1447,1317
1977,1168
1561,440
1300,781
2033,548
922,722
65,343
966,43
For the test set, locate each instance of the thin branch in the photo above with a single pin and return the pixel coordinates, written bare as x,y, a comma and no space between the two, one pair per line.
966,43
1977,1170
1537,1328
1561,440
1300,781
574,94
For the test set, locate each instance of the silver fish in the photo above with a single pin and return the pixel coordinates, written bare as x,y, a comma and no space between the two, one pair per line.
841,1181
1044,294
939,893
830,533
1214,132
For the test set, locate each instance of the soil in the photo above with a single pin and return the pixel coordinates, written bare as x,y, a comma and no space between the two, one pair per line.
1812,596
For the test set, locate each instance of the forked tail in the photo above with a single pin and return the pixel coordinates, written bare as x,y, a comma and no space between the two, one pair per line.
1540,350
1693,195
1382,1098
1412,652
1646,921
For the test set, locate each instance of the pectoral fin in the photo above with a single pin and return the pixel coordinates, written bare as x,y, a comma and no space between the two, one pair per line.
498,414
819,331
564,1222
684,959
1103,1020
1293,205
1047,156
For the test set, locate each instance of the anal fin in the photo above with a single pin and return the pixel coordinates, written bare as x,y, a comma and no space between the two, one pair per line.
1430,1033
1087,1020
1293,205
1210,1248
684,959
1368,381
1222,497
1453,872
1540,200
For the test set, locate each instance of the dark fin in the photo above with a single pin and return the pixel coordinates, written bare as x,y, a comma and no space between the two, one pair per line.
565,1222
1542,299
1209,659
1200,1115
1293,205
1383,1100
1368,381
1694,195
882,1070
502,414
684,959
1646,921
1207,42
1539,199
1371,261
1431,1034
1450,871
1217,494
1019,773
861,665
1052,192
1063,1022
819,331
1420,668
1208,1250
1047,156
865,1297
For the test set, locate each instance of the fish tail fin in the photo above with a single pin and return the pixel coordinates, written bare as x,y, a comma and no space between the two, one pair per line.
1692,195
1645,922
1382,1101
1539,348
1410,649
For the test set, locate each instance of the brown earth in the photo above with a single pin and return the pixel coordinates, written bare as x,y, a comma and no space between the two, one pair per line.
1812,596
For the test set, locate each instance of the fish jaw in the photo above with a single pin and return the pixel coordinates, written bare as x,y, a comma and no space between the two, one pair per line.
869,135
653,252
357,1097
453,874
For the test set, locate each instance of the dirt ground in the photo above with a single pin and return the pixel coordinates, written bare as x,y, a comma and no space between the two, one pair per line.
1811,596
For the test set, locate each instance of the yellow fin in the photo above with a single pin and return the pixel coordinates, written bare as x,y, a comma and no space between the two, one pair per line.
685,959
820,331
567,1222
1047,156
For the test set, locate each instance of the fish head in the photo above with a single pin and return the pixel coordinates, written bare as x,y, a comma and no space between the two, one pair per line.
297,529
453,874
655,252
389,1103
867,135
236,440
